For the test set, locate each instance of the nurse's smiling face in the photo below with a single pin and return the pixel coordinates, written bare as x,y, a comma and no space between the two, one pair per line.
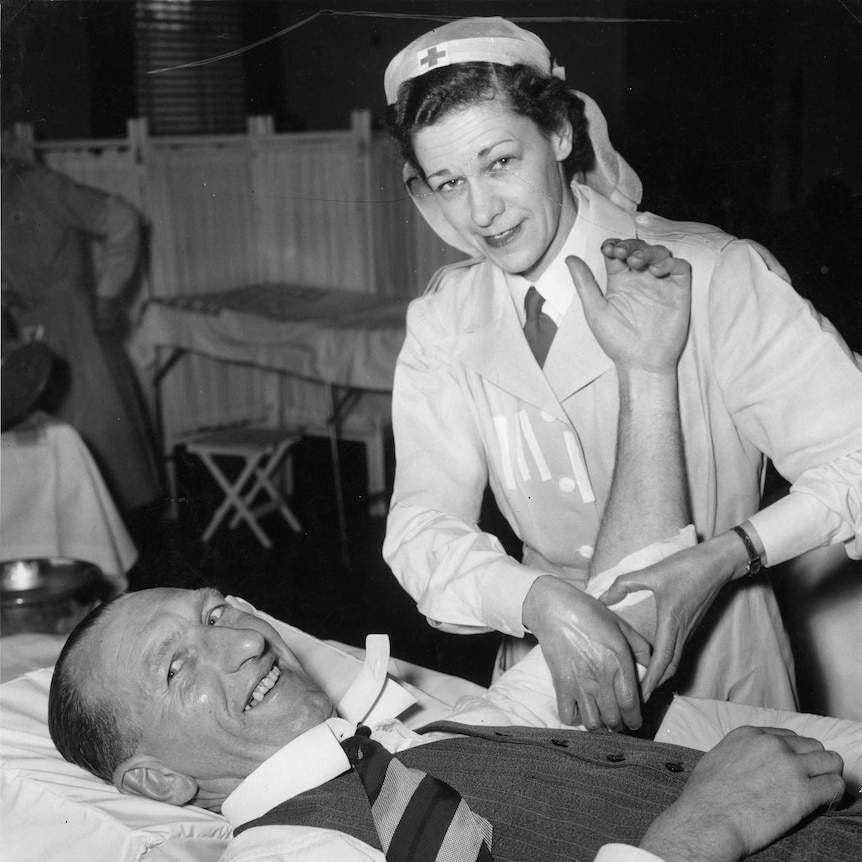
500,183
214,690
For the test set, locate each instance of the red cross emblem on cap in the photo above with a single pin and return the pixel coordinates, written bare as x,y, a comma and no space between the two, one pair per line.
431,57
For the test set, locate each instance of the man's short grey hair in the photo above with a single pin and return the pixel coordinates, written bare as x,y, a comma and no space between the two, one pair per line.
91,732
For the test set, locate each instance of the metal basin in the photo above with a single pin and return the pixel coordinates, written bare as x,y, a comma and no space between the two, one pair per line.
24,582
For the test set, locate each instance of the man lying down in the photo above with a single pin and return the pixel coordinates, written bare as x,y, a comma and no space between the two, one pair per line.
179,696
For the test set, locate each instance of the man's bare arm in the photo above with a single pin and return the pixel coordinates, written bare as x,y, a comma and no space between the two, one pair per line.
641,322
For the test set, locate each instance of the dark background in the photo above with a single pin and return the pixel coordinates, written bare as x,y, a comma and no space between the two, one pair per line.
743,114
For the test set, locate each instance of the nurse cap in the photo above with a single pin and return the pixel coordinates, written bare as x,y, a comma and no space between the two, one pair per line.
496,40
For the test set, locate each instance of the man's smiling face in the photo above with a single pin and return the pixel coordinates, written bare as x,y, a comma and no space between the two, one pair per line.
214,690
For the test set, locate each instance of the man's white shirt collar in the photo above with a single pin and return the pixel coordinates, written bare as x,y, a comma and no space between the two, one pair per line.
316,756
555,283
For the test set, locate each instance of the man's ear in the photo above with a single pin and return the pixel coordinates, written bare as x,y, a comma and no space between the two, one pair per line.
141,775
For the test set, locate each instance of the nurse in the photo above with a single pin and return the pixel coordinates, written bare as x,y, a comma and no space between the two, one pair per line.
595,433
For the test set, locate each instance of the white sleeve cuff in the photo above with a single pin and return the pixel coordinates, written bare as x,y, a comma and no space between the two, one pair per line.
796,524
648,556
625,853
504,595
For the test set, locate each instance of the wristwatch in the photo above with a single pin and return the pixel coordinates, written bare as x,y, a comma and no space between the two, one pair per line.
755,564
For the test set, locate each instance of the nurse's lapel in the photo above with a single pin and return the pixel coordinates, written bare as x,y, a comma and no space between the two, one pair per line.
493,345
575,358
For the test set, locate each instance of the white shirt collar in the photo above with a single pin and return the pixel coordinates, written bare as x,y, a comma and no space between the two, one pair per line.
316,756
555,283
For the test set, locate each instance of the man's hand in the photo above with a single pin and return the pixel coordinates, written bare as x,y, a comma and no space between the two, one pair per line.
642,320
589,652
685,585
754,786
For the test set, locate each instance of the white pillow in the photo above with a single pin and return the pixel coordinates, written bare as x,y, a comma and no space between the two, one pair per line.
53,810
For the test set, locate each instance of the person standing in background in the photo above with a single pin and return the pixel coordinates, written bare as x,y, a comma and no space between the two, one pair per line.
69,256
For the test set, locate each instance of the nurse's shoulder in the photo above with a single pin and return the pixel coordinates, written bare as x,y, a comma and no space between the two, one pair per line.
657,230
449,296
454,278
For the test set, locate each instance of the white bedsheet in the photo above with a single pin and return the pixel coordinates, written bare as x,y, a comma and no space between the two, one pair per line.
55,812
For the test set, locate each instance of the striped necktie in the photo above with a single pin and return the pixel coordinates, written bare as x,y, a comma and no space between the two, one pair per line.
418,818
538,328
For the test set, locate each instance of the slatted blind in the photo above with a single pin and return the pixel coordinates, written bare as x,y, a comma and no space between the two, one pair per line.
207,99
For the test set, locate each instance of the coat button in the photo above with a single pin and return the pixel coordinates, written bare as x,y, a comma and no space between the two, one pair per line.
586,551
616,757
674,766
560,743
567,484
642,218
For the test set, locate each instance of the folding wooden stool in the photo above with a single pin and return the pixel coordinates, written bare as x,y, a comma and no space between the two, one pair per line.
262,450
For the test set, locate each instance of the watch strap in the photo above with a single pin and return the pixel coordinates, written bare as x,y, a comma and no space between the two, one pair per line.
755,563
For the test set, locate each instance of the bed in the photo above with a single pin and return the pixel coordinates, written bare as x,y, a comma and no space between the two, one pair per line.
55,812
313,338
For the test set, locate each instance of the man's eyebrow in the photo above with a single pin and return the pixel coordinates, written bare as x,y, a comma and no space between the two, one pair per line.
482,154
206,595
155,657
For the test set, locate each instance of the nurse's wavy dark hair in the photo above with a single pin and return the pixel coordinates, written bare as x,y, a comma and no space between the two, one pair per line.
545,100
92,733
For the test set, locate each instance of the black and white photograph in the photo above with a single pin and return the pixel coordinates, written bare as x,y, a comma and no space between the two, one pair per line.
431,430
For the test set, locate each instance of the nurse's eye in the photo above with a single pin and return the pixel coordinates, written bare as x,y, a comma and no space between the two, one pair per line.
450,187
173,670
216,614
502,163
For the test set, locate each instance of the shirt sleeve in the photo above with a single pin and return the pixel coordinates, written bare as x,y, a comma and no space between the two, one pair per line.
461,577
822,508
794,389
116,254
625,853
288,843
112,225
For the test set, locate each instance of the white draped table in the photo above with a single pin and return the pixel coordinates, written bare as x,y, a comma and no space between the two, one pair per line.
343,340
54,502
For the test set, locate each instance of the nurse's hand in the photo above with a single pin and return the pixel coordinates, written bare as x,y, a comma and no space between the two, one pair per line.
641,321
589,651
685,585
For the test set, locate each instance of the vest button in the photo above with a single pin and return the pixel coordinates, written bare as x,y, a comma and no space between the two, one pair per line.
567,484
674,766
560,743
616,757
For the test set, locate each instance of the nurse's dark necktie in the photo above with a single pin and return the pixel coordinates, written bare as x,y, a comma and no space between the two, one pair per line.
538,328
418,818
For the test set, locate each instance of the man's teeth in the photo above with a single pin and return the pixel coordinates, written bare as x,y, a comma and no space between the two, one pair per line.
262,688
